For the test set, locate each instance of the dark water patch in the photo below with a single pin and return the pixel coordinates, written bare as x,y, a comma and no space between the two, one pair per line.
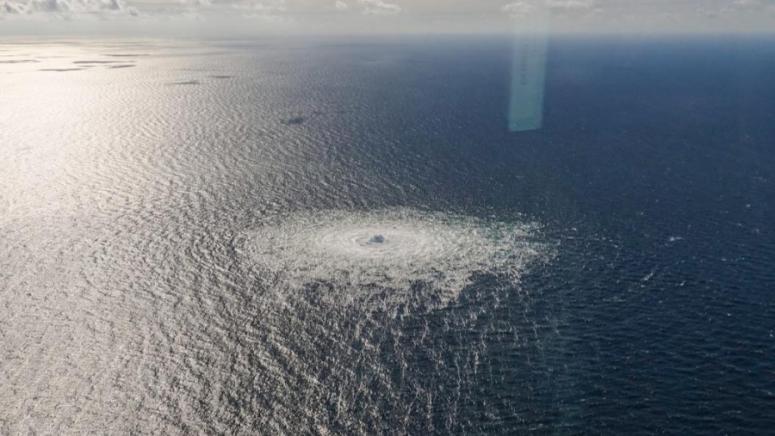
220,76
60,70
185,82
19,61
295,121
90,62
121,66
127,55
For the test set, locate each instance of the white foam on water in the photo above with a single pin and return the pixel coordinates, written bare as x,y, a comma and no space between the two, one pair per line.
358,255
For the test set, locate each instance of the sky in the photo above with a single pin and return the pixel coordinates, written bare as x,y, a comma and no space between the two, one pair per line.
245,17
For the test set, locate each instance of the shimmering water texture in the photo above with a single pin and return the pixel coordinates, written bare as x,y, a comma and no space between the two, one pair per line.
329,236
390,258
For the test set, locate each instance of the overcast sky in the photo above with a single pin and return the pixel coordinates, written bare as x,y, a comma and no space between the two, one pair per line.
240,17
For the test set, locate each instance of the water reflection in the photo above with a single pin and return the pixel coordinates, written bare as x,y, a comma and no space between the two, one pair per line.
528,71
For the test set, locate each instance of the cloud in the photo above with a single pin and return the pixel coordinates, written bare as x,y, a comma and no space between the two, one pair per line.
753,5
526,8
222,9
526,5
67,8
197,3
415,15
518,9
269,6
72,8
379,7
570,4
12,8
747,3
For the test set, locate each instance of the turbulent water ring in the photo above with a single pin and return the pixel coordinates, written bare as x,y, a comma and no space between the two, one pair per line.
390,249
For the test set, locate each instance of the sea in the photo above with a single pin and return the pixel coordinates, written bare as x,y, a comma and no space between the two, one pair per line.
346,235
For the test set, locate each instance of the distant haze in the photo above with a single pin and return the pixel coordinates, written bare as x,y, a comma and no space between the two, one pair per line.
245,17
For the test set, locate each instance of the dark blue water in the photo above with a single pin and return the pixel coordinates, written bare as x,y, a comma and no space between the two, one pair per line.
130,304
655,166
663,150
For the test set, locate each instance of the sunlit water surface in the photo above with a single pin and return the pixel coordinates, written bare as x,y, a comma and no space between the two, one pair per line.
330,237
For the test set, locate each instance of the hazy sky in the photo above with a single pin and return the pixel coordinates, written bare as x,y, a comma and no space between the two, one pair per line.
238,17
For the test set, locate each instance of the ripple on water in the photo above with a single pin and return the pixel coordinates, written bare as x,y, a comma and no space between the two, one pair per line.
355,254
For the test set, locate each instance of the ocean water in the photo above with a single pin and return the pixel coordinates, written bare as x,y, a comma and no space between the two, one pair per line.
333,236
